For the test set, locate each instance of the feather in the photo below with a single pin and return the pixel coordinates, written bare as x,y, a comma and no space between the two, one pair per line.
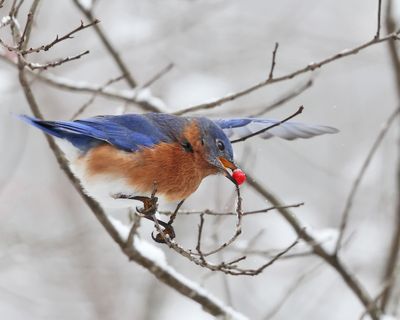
126,132
241,127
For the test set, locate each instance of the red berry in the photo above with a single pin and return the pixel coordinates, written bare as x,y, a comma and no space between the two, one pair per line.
239,176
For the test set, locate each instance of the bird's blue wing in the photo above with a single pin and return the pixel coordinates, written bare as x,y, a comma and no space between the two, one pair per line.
241,127
126,132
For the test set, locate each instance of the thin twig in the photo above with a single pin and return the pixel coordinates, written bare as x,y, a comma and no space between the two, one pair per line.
93,97
377,298
38,66
308,68
238,231
285,98
107,43
157,76
351,281
290,291
391,265
133,231
245,213
300,110
143,98
199,257
357,181
273,62
378,27
28,27
199,234
16,7
7,46
164,273
58,39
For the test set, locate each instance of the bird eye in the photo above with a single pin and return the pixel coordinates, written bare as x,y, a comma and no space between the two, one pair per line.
220,145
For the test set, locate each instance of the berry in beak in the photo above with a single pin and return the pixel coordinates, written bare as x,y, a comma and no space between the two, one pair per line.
237,176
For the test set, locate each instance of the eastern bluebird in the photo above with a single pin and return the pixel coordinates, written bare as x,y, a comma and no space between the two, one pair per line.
124,156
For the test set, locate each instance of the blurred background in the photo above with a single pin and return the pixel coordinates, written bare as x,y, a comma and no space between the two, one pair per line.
56,260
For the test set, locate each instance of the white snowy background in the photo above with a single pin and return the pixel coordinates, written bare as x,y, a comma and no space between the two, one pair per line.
57,262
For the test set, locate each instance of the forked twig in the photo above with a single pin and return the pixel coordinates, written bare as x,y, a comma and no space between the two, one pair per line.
58,39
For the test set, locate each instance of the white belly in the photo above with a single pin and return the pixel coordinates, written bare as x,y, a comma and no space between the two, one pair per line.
103,188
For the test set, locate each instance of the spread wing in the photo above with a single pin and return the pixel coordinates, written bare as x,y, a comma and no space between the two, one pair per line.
241,127
126,132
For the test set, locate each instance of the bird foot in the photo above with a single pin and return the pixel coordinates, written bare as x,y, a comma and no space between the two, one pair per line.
150,204
167,233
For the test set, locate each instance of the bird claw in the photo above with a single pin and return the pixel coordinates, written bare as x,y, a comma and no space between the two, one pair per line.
167,233
150,205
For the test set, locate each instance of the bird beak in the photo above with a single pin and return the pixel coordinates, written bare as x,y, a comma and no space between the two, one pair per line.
226,164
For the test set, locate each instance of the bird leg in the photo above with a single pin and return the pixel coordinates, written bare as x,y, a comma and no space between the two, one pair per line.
168,229
150,206
173,216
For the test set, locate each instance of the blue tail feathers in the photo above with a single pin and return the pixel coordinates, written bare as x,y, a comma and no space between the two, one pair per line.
69,131
125,132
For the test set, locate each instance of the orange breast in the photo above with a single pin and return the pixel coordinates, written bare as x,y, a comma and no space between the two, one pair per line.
178,173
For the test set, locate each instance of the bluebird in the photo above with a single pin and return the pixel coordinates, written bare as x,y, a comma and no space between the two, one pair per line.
123,157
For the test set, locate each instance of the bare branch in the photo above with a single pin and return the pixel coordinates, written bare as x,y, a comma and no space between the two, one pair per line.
308,68
141,97
238,230
164,273
113,52
134,230
36,66
93,97
285,98
15,7
273,62
378,27
158,76
300,110
7,46
215,213
290,291
58,39
199,257
391,266
332,260
27,26
24,40
357,181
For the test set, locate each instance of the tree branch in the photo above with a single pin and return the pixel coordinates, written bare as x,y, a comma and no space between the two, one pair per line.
308,68
58,39
330,259
106,42
363,169
393,257
378,27
273,62
141,97
136,252
285,98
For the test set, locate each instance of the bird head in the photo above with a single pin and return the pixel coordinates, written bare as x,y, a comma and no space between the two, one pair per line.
218,149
